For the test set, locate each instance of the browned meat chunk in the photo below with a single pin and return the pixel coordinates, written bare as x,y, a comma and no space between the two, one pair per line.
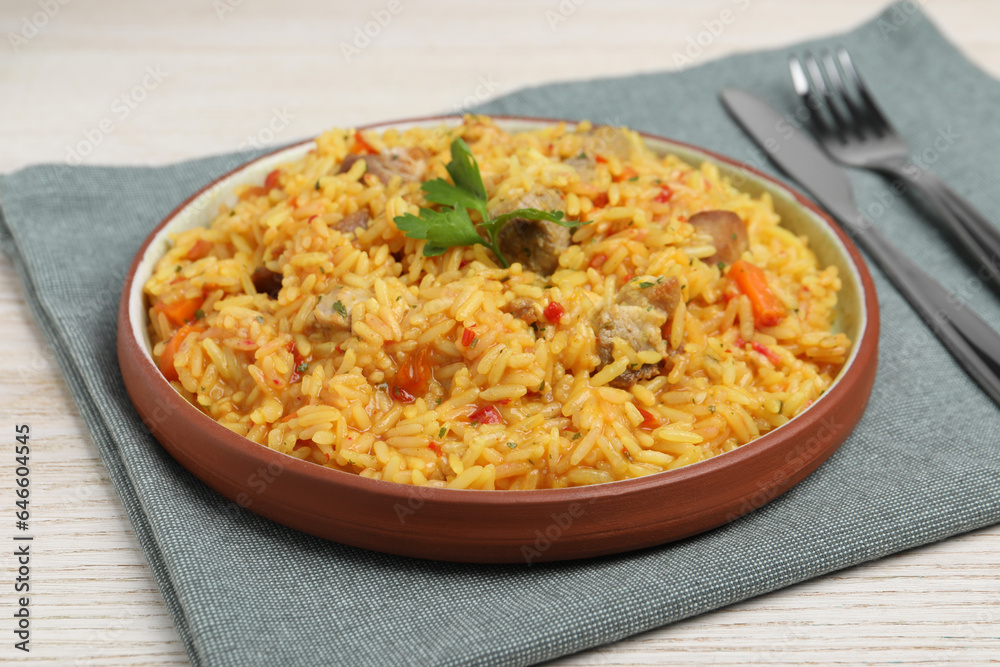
409,164
352,222
637,326
643,306
535,244
525,309
661,293
728,232
608,141
266,281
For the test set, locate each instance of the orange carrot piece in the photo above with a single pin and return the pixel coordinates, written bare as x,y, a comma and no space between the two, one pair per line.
271,180
181,311
174,344
200,249
361,146
628,173
750,278
254,191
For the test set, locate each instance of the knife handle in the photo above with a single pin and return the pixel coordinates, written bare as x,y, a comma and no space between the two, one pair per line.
979,237
971,341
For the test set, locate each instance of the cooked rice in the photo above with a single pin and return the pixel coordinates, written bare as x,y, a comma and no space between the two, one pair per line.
268,370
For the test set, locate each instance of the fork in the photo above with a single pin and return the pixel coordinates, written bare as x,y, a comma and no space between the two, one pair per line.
855,132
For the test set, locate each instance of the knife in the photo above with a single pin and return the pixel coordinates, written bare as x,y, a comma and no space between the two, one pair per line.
970,340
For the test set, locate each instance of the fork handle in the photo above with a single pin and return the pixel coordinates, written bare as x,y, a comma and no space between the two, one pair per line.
971,341
975,232
975,222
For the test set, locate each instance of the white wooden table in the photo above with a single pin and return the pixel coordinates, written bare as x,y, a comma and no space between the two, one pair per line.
111,81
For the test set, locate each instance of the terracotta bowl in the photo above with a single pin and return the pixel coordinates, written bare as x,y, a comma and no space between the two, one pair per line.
505,526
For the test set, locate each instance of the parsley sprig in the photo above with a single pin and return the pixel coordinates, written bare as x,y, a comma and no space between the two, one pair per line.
452,225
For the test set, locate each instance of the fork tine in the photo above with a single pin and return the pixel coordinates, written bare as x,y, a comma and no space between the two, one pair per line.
871,108
819,83
808,96
853,112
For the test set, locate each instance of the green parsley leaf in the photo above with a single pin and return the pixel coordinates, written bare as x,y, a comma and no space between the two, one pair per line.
577,436
464,170
339,307
646,285
442,432
453,226
440,191
199,314
442,229
512,445
260,319
302,368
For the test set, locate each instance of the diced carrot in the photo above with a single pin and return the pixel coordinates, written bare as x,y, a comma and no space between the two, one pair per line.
255,191
174,344
200,248
414,373
181,311
750,278
601,200
600,159
361,146
271,180
628,173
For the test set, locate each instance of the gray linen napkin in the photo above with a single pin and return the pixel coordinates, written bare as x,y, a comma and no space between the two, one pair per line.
923,464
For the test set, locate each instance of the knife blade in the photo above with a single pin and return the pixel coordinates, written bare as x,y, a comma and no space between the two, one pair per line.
797,155
971,341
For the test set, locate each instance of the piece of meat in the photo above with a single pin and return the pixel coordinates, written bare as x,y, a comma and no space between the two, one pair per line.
266,281
334,307
352,222
728,232
525,309
641,309
409,164
535,244
661,293
639,327
607,141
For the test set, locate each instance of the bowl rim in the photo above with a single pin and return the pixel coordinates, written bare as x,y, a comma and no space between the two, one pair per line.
243,447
